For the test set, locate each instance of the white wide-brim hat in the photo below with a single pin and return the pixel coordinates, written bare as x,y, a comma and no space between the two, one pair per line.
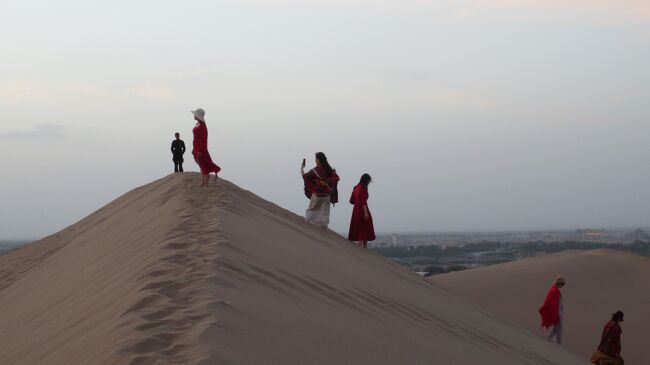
199,114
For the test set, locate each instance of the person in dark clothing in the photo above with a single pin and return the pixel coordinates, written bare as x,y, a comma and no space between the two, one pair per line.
178,149
609,349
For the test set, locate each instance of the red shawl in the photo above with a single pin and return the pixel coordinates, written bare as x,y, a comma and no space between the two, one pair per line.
200,143
317,181
610,343
550,310
200,149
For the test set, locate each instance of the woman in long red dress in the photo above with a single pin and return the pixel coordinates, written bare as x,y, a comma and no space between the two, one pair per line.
361,227
200,148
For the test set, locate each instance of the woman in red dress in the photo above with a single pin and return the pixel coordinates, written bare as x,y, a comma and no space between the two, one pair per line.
361,227
200,148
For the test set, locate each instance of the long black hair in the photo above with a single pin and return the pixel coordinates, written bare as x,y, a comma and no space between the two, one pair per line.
365,180
320,156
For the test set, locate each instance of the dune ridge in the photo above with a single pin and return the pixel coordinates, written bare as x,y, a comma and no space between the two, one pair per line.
599,282
173,274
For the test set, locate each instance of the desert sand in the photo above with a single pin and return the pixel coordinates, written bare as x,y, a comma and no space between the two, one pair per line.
599,282
173,274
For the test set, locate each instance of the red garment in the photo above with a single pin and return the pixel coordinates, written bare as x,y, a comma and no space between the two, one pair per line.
317,181
550,310
360,228
610,342
200,149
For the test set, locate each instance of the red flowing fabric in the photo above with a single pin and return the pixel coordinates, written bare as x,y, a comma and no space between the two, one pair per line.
610,343
360,228
550,310
200,150
317,181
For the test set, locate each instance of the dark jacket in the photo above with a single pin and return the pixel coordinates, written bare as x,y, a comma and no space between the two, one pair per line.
178,147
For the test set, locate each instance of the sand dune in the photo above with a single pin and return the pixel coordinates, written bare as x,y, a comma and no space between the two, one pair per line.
599,282
173,274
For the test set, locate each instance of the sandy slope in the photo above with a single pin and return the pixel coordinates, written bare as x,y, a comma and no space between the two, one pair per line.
599,282
173,274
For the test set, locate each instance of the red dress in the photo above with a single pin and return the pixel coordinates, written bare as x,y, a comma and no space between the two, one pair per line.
200,145
550,310
360,228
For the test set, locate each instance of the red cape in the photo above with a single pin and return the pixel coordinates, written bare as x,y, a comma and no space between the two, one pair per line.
317,181
200,149
550,310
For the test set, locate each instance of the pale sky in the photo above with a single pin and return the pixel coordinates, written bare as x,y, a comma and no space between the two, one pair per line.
470,115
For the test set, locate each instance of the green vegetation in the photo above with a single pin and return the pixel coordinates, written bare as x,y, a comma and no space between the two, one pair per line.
433,259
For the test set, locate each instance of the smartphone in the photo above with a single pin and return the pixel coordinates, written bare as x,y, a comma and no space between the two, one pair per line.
304,162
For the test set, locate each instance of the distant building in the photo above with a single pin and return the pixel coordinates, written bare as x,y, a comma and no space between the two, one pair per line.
590,234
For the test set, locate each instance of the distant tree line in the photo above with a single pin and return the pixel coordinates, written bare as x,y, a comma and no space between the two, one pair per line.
436,259
10,245
436,250
525,248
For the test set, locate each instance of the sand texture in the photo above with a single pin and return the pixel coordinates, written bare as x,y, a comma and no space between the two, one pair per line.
173,274
599,282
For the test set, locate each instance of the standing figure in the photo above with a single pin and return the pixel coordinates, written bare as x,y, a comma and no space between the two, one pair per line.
200,148
320,186
361,227
178,149
609,349
552,310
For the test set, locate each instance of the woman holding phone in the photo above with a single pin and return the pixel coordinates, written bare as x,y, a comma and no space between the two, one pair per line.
320,183
361,227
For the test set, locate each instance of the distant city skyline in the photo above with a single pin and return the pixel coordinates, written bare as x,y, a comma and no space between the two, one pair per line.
470,115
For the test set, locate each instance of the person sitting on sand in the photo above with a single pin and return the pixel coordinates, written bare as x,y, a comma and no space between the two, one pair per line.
178,149
609,349
320,183
200,148
552,310
361,227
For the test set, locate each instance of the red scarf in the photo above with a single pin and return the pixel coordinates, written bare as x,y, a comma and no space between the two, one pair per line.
200,142
550,310
317,181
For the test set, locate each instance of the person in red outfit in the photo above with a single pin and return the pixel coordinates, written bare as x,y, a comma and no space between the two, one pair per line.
552,310
200,148
321,185
361,227
609,349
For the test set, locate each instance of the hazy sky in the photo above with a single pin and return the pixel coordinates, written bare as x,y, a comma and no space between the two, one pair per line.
469,115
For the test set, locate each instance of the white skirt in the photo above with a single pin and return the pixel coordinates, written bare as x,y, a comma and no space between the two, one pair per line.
318,211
